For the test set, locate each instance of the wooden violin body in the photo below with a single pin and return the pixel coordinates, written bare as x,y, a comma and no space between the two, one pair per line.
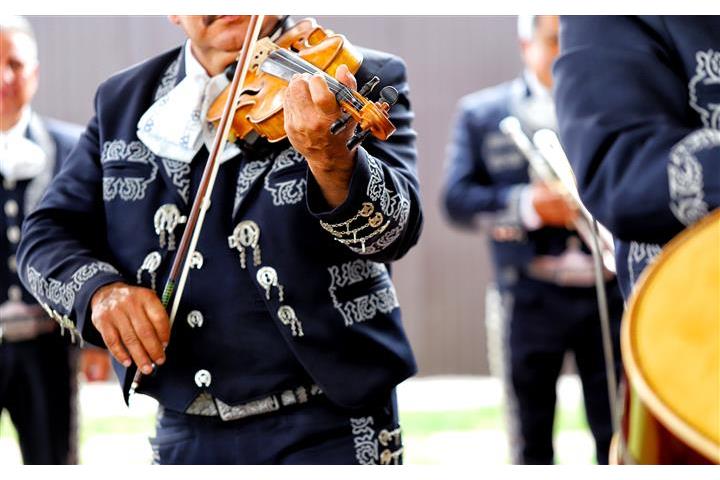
304,48
671,351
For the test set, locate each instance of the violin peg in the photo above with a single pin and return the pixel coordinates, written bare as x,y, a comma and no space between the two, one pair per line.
389,95
340,124
357,139
369,86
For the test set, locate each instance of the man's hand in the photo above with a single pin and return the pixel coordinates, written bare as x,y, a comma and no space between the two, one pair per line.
552,208
310,108
133,324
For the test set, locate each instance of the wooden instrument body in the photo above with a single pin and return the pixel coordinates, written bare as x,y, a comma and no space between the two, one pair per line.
671,352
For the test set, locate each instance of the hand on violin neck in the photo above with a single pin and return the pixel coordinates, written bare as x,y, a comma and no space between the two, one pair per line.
310,109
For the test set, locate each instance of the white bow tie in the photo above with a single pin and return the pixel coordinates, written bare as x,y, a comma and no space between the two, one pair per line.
20,158
174,126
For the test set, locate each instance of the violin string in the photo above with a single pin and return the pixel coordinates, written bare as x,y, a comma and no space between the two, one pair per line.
307,67
299,65
303,67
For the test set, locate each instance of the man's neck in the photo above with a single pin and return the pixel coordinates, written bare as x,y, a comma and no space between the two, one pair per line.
213,61
11,121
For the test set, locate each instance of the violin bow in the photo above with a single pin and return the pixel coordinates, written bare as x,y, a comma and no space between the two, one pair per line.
201,203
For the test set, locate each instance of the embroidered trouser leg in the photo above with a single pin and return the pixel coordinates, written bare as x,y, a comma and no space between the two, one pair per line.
313,433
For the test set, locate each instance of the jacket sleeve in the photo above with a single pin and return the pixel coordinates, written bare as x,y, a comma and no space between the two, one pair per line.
646,165
61,260
381,218
470,196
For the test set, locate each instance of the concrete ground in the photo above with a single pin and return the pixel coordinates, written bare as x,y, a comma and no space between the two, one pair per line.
109,427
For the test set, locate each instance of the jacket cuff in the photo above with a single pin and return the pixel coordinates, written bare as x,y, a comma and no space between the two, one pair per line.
372,216
68,303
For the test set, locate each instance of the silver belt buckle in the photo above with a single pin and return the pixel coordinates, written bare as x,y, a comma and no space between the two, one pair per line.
256,407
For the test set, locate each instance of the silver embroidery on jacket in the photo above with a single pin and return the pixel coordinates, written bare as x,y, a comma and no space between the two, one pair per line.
640,255
369,230
61,293
290,191
247,176
366,445
685,172
685,175
167,81
707,75
127,188
179,173
364,307
392,204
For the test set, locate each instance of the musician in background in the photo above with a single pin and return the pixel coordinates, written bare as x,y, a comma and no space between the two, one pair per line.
544,274
37,366
288,342
638,100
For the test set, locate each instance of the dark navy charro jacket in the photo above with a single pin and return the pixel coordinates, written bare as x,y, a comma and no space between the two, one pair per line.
19,197
485,175
319,275
638,102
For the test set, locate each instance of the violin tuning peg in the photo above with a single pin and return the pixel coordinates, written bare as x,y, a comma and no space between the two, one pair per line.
340,124
389,95
369,86
357,139
230,71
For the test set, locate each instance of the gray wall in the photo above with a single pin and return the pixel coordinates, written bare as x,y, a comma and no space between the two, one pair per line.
441,282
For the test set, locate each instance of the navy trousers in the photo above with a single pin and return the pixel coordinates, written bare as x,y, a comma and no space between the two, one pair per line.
316,433
547,321
38,389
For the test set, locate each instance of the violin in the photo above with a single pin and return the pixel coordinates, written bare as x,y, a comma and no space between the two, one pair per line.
304,48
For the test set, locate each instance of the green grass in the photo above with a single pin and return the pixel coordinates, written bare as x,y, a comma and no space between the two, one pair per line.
414,423
429,423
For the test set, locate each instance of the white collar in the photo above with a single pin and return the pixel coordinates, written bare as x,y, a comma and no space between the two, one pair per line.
19,129
537,89
193,68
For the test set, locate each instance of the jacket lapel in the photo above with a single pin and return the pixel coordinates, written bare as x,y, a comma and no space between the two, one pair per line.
174,173
37,133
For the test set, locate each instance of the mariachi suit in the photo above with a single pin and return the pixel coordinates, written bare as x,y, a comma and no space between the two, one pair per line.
538,318
37,371
642,131
289,301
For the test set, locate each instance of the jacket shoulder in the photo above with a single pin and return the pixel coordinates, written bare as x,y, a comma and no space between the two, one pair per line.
64,133
381,64
488,103
130,80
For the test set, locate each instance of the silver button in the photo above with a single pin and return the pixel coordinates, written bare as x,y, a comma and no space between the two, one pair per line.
13,234
267,277
11,208
196,260
8,184
246,234
14,293
203,378
195,319
151,262
12,263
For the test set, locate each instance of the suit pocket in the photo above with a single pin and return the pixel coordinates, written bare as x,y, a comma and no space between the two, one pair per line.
127,181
